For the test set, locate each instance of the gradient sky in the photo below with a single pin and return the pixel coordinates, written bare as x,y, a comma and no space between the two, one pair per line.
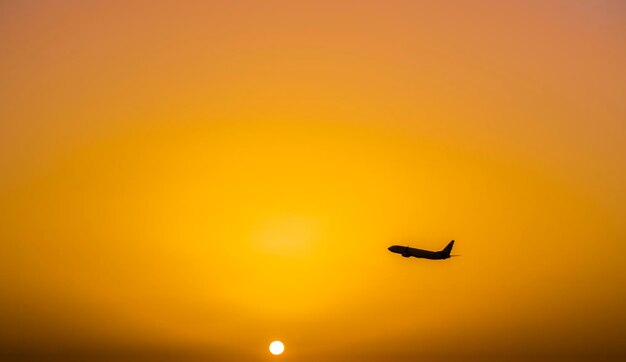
200,178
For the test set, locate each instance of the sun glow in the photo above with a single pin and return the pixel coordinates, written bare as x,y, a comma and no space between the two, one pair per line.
277,347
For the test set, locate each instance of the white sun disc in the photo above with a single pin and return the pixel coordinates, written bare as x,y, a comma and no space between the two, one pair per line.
277,347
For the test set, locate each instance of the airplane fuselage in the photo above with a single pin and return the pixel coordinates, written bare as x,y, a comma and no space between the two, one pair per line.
407,252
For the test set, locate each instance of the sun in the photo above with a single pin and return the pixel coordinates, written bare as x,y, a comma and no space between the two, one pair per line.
277,347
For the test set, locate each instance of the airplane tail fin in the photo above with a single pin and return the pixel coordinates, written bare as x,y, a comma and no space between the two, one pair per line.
448,249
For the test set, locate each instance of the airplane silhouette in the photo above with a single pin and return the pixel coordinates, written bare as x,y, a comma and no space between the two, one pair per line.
407,252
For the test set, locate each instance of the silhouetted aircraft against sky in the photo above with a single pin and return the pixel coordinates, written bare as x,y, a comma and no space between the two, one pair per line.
407,252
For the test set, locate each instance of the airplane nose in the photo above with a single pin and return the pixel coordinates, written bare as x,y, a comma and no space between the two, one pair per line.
389,248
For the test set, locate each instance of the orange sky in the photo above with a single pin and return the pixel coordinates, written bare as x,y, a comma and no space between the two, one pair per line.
201,178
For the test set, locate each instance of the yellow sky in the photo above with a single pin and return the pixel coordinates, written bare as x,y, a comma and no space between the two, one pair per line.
201,178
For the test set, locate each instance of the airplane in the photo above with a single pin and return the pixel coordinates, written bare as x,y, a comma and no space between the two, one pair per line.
407,252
